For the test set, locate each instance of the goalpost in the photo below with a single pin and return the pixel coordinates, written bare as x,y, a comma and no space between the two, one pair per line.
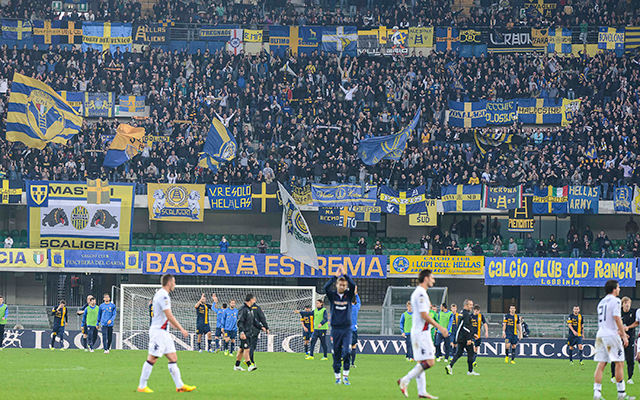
277,302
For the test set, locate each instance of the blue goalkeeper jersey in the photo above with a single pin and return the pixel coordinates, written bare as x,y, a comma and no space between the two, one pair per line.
231,319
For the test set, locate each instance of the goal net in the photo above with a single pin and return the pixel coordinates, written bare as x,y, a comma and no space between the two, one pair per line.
277,302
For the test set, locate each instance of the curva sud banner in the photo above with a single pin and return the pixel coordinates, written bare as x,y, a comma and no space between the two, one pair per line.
289,343
568,272
267,265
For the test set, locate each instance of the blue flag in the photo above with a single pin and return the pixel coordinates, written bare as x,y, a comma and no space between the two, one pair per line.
390,147
540,111
447,39
73,98
412,201
551,200
623,199
104,36
467,114
343,195
337,216
219,147
461,197
340,39
126,145
16,30
584,200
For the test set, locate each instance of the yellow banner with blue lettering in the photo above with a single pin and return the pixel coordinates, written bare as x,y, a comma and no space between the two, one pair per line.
103,36
443,265
132,104
61,218
421,36
252,35
176,202
565,272
38,115
540,111
23,258
611,38
260,265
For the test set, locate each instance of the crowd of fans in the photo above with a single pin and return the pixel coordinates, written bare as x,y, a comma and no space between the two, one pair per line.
300,119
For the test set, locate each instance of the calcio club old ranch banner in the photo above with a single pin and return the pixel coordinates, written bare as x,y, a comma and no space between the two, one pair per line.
445,265
61,218
264,265
585,272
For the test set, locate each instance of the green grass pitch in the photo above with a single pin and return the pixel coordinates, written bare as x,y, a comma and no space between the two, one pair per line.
74,374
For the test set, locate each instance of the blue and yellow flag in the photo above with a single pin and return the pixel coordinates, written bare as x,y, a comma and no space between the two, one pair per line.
559,41
295,39
467,114
54,32
631,38
611,38
374,149
447,39
340,39
16,30
132,104
98,104
37,115
337,216
104,36
591,153
219,147
411,201
551,200
461,197
127,143
73,98
540,111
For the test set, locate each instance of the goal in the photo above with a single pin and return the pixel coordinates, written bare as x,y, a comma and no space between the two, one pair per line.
277,302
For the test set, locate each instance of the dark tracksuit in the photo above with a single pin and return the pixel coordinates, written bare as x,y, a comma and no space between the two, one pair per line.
628,318
341,333
464,334
247,324
59,321
262,321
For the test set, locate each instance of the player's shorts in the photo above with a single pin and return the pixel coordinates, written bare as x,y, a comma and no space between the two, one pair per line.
218,332
160,343
319,333
477,342
306,335
574,341
202,329
452,336
58,330
231,334
512,339
423,348
609,349
246,343
354,338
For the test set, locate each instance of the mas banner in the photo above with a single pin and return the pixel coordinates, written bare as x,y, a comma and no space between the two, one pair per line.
23,258
550,200
61,218
622,199
461,197
421,36
584,200
337,216
610,38
16,30
394,42
503,198
407,202
429,218
540,111
295,39
566,272
260,265
343,195
467,114
95,259
98,104
11,191
369,42
521,219
443,265
224,197
175,202
103,36
217,33
151,34
340,39
57,32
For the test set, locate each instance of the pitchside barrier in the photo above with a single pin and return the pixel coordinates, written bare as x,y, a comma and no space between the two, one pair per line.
367,344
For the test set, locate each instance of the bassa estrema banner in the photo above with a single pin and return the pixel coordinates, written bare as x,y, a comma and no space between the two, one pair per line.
290,343
61,218
444,265
569,272
267,265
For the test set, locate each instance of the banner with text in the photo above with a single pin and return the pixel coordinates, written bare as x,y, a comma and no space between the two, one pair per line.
95,259
444,265
176,202
224,197
566,272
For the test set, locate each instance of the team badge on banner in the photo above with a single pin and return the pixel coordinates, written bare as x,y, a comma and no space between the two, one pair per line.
407,202
224,197
98,104
503,198
60,217
235,44
175,202
302,195
622,198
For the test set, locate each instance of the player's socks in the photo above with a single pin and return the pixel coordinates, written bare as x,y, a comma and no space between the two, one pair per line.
175,374
421,380
415,371
210,343
580,354
199,346
83,341
513,354
570,355
353,356
147,367
237,363
53,341
622,391
597,390
306,349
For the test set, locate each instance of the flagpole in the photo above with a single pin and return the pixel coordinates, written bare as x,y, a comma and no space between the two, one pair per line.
393,166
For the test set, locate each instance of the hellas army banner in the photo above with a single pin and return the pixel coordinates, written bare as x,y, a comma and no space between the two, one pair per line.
61,218
176,202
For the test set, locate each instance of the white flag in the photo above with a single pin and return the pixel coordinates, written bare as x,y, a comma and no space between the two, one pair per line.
295,239
635,205
235,44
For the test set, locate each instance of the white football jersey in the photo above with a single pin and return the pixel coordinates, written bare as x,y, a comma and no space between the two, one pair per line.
608,308
161,302
420,303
